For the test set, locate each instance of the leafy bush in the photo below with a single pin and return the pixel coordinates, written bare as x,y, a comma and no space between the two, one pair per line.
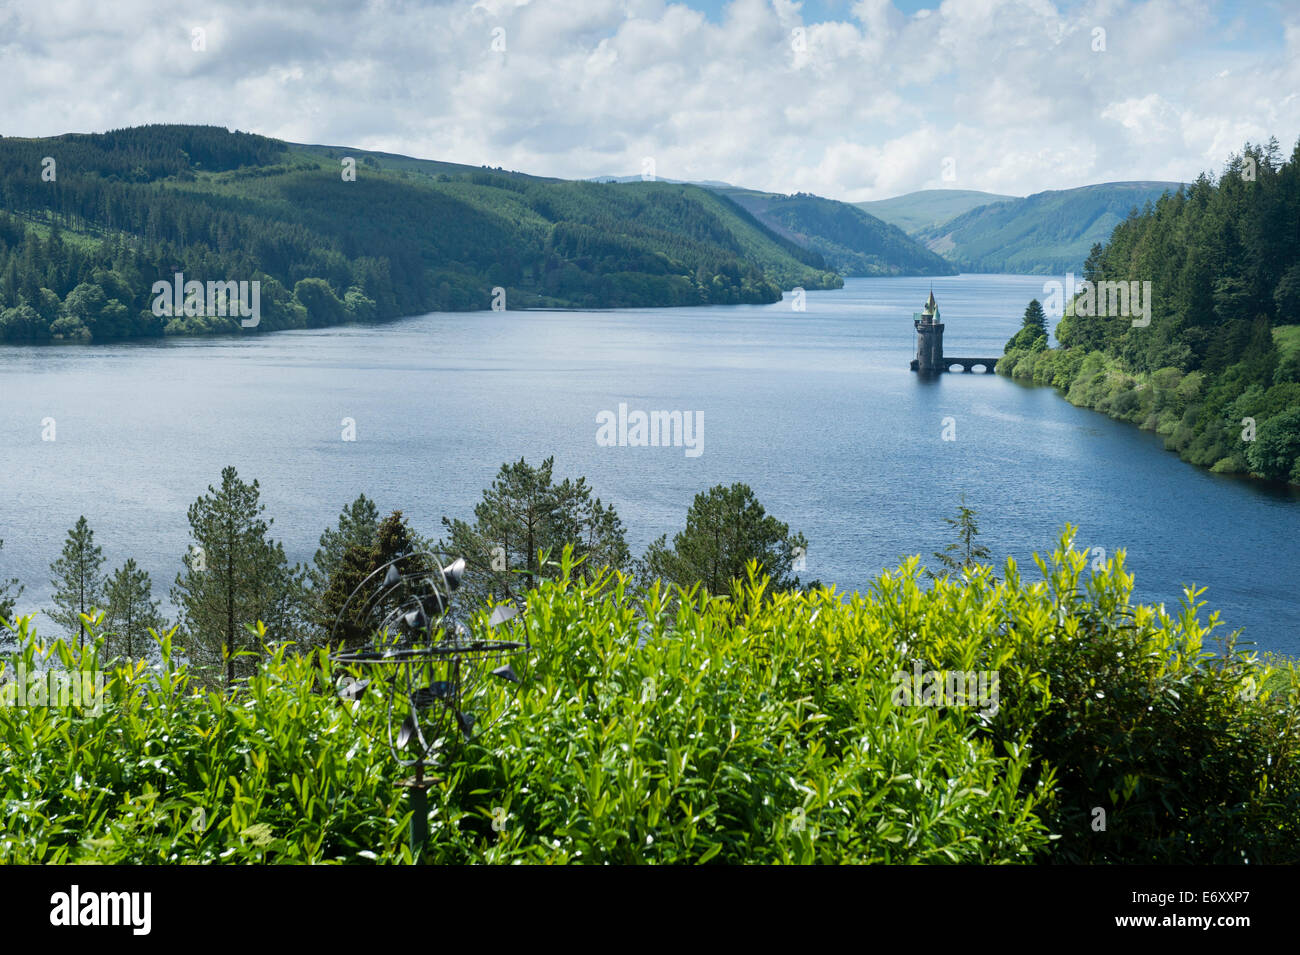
1193,755
167,773
682,728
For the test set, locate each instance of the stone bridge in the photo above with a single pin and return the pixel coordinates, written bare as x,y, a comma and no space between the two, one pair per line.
967,365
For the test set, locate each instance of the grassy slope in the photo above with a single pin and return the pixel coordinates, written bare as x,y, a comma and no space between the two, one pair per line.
1287,340
921,210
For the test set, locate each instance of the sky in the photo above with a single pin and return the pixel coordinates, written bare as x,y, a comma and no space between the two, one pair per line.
852,99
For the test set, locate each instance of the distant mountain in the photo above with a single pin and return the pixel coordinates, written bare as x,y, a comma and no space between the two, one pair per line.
333,234
852,241
1046,233
916,211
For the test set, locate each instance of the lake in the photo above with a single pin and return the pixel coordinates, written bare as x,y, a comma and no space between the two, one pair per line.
816,410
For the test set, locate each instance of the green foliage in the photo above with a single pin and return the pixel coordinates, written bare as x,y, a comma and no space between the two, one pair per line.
167,772
1276,448
680,728
323,306
78,585
10,590
726,529
1193,755
1033,329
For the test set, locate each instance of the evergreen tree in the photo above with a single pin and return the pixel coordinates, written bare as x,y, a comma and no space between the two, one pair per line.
10,591
964,552
525,511
358,525
1033,329
77,582
726,527
235,575
392,539
131,613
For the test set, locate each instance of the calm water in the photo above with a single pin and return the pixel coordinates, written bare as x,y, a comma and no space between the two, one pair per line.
816,410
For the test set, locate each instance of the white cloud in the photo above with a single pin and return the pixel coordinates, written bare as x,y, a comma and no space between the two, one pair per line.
868,105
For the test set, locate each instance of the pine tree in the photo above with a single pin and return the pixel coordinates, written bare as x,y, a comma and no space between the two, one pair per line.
1035,319
358,524
10,591
1033,329
393,539
131,613
964,552
726,527
235,576
77,582
523,512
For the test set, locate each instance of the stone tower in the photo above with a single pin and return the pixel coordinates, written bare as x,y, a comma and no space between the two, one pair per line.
929,339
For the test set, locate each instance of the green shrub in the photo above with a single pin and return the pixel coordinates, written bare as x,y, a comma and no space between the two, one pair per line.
672,727
168,773
1193,755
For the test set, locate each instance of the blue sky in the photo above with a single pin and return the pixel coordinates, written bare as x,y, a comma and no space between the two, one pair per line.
854,99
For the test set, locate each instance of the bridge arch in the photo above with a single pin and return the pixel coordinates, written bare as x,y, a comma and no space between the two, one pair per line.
968,366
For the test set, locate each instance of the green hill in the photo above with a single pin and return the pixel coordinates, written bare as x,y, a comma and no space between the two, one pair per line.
1046,233
1210,358
80,253
852,241
921,210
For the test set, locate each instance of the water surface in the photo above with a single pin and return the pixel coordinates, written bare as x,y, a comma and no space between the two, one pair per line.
816,410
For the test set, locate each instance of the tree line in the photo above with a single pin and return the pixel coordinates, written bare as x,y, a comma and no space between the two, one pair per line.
1216,371
235,574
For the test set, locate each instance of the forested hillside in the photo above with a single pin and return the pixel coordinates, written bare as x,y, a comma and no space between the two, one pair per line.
1046,233
91,222
852,241
1217,369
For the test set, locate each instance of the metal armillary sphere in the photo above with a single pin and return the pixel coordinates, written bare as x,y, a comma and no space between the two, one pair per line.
427,663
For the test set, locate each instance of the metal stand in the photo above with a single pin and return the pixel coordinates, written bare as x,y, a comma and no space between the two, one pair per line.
419,829
425,665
